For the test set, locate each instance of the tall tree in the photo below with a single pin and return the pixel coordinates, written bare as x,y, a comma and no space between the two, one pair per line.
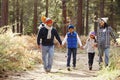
21,18
0,13
13,15
64,16
87,17
111,15
79,18
95,21
102,2
47,8
4,12
17,15
35,16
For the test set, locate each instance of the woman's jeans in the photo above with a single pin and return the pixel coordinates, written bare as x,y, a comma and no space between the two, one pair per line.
47,56
104,51
71,51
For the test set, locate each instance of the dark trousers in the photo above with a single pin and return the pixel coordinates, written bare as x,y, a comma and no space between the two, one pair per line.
70,52
91,58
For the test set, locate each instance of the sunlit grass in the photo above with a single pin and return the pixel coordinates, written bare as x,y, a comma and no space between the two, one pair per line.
18,52
113,70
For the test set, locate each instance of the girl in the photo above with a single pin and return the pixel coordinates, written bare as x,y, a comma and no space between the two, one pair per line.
90,47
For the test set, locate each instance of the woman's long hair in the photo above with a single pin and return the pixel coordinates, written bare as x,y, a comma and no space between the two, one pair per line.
104,26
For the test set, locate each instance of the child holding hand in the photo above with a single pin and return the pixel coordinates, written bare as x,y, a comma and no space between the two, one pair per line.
72,39
90,48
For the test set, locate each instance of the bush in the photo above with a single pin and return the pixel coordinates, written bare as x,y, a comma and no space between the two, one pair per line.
18,52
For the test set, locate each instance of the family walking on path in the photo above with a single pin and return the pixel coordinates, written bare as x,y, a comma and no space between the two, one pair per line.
100,40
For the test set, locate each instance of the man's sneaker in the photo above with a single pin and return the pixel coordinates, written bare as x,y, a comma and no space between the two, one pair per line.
47,71
68,69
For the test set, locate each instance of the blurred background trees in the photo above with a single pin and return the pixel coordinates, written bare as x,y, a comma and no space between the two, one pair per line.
24,16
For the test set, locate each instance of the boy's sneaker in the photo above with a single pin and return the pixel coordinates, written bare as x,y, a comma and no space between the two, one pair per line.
68,69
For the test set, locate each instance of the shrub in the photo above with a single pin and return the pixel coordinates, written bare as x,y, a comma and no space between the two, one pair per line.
18,52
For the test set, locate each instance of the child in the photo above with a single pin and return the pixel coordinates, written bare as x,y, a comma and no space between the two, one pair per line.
42,24
90,47
71,39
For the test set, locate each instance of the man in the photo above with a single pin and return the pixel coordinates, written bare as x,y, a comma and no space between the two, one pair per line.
47,34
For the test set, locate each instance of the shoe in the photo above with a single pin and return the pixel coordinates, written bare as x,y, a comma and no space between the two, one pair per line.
100,66
68,69
90,68
47,71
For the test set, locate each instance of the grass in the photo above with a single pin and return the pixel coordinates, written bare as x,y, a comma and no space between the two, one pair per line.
107,74
18,52
113,71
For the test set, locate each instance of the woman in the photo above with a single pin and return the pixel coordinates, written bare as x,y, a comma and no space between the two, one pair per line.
103,38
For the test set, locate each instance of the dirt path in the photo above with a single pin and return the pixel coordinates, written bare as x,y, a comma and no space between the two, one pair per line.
59,71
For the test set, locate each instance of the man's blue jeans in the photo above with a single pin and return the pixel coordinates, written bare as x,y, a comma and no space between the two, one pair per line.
47,56
74,52
105,52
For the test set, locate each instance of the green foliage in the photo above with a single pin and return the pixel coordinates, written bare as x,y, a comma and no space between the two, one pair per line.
55,11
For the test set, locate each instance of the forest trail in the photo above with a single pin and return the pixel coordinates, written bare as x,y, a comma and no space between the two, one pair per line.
59,70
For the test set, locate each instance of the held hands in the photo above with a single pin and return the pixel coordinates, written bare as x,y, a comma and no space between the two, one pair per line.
116,43
39,46
81,47
60,46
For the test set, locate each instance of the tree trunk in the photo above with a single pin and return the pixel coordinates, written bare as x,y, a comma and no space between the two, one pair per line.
35,16
47,8
0,22
0,12
21,19
17,16
111,16
64,16
13,19
95,22
87,17
4,12
79,18
102,2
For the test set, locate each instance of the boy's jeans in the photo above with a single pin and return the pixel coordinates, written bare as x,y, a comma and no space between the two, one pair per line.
106,52
70,51
47,56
